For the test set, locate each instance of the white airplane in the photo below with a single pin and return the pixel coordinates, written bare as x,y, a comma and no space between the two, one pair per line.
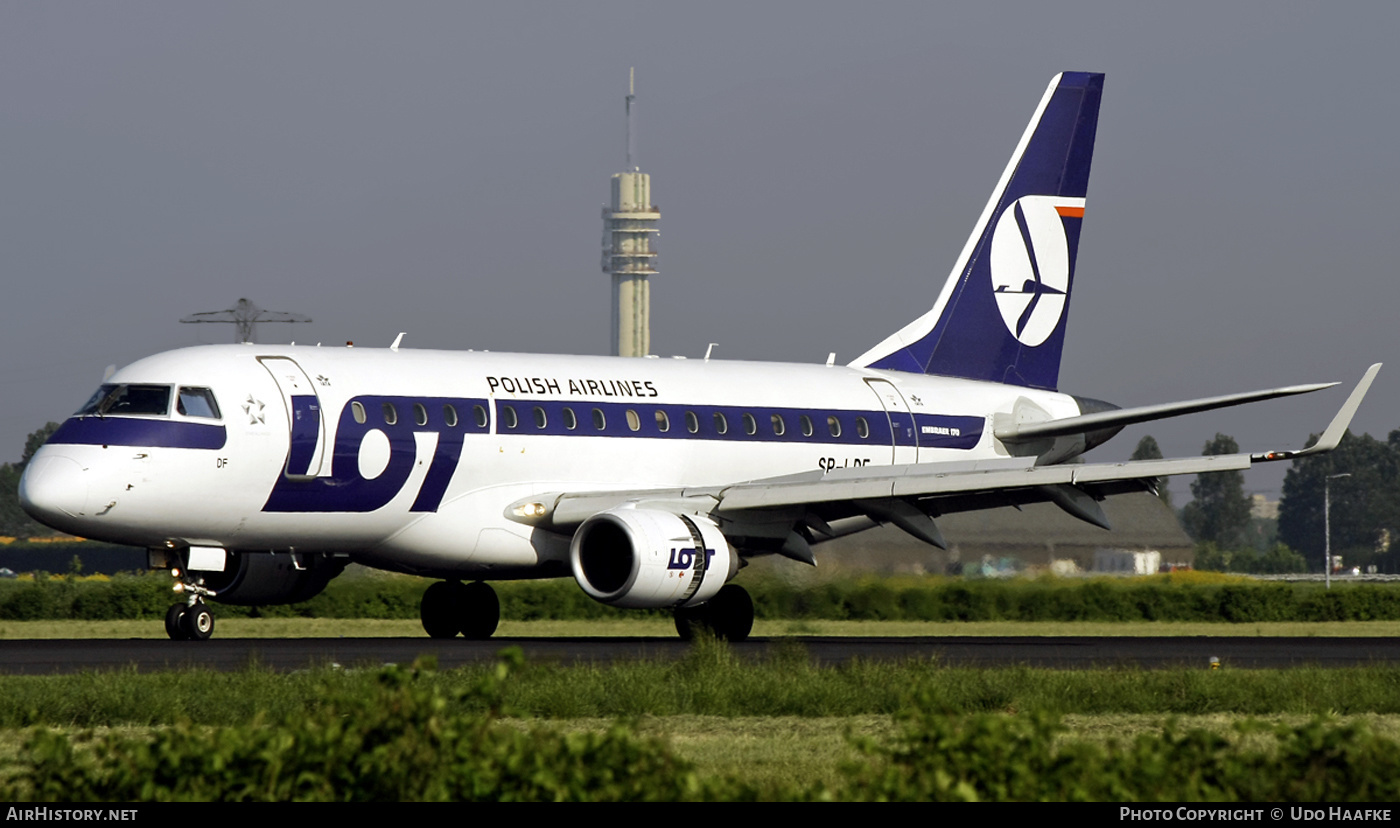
256,473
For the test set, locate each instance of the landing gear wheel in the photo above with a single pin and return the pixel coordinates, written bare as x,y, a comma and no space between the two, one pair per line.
197,622
439,609
731,613
689,621
451,607
480,611
728,615
173,627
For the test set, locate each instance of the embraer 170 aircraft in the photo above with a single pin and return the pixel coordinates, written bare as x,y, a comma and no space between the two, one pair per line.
257,473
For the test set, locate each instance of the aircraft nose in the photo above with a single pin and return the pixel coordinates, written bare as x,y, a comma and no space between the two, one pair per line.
53,488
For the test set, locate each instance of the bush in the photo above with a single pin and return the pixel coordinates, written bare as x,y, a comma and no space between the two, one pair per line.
398,743
994,757
404,737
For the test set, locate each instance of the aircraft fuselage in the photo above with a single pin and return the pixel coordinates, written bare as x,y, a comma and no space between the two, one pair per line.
404,459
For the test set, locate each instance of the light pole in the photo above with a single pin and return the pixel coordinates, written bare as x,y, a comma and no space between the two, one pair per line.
1327,523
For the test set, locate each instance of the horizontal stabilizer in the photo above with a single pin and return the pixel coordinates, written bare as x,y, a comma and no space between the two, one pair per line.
1119,417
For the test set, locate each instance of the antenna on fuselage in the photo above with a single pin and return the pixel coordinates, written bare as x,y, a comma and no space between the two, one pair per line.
246,316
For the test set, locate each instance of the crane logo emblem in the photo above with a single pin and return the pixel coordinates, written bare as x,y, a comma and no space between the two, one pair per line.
1030,265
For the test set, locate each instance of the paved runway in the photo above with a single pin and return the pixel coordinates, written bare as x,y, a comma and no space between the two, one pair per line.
38,657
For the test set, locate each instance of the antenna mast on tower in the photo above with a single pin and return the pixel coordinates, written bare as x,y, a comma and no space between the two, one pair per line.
631,134
246,316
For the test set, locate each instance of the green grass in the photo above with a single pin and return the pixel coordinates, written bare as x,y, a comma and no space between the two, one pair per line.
712,681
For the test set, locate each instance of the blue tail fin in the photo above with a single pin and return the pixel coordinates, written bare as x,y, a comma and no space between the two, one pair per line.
1001,315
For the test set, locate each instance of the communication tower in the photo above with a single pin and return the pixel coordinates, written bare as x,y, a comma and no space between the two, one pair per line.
629,223
246,316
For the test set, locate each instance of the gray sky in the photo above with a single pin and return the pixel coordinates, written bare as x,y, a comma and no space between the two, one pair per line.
438,168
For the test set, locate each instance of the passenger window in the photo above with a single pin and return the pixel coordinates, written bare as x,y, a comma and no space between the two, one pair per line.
599,421
633,421
721,424
197,402
391,414
358,412
663,423
540,419
570,421
479,415
449,416
692,422
862,427
834,426
750,425
779,427
420,414
508,416
806,425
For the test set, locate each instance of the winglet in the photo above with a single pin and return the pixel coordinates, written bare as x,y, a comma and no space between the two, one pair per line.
1335,429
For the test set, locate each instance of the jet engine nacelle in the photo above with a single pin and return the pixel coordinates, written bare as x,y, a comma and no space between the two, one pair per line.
648,558
258,578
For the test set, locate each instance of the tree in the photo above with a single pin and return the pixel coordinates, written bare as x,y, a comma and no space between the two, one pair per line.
13,521
1278,560
35,440
1220,511
1147,449
1365,504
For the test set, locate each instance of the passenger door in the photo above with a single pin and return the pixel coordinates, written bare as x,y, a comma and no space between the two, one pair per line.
307,439
904,436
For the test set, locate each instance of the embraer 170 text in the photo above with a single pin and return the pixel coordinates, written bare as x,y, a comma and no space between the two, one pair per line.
256,473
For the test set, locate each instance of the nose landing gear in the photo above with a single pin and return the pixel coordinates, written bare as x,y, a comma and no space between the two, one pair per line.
192,620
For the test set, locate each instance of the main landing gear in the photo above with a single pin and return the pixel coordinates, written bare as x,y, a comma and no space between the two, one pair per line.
728,615
452,607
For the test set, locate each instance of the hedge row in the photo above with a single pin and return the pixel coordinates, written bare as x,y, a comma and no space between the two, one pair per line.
1098,599
925,599
404,740
148,596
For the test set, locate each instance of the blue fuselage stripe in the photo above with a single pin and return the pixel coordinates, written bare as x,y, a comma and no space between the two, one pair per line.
133,431
928,430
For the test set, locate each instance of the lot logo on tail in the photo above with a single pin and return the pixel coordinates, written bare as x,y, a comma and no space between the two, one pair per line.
1030,268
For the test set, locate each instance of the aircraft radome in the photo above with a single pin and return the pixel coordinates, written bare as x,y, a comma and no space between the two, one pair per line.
256,473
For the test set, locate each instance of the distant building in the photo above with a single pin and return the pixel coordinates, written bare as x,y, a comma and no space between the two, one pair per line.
1261,507
1142,562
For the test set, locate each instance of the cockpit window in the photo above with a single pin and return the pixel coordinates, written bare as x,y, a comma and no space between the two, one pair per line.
148,400
197,402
